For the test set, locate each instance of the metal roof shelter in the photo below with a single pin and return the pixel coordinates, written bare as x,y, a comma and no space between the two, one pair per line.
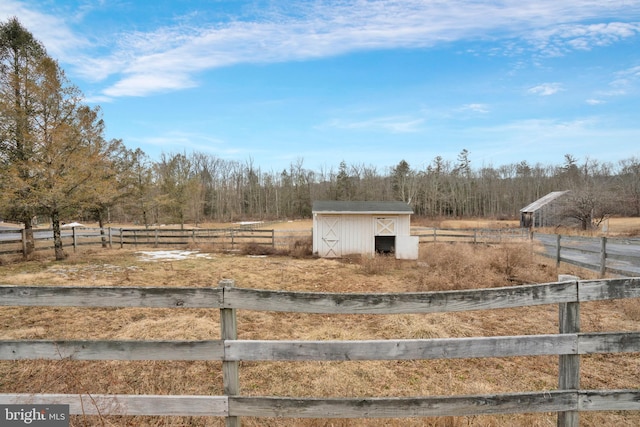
344,227
544,212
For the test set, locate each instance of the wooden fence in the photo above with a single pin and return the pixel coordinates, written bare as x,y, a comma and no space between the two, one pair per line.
475,235
570,344
602,254
13,241
227,237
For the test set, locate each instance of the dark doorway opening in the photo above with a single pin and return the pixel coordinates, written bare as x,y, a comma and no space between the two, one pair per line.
385,244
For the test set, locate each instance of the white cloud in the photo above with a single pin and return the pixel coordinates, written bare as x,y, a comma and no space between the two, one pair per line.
59,40
593,101
392,124
554,130
192,140
624,83
142,84
476,108
545,89
626,77
168,57
561,39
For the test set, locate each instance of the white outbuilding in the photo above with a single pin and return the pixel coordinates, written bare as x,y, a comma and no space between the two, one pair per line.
343,228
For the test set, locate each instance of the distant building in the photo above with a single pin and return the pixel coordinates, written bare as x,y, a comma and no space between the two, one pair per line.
547,211
343,228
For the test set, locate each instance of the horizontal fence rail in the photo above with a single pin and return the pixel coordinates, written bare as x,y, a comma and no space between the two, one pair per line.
226,237
14,241
401,407
472,235
601,254
569,345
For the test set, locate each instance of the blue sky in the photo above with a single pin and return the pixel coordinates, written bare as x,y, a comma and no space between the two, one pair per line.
276,82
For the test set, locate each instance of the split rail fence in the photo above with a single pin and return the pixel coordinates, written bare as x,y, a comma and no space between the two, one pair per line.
570,344
14,241
474,235
617,256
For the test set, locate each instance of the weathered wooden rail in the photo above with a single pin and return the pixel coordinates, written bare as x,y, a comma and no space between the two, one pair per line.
474,235
226,237
13,241
602,254
568,400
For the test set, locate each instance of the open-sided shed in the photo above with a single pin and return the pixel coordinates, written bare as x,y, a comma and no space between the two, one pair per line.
343,227
547,211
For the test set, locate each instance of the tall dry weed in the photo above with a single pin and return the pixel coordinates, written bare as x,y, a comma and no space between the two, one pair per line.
452,266
377,264
301,248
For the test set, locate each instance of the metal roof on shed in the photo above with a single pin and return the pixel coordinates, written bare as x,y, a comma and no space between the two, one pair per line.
543,201
338,206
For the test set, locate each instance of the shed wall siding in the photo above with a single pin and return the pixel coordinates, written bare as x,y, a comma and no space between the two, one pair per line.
356,233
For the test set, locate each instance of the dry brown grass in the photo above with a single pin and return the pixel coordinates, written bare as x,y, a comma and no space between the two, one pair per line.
624,226
616,227
468,223
442,266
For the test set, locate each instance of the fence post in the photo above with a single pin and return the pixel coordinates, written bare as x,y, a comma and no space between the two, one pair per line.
103,238
273,238
569,364
121,238
603,257
24,242
109,234
230,371
75,243
557,250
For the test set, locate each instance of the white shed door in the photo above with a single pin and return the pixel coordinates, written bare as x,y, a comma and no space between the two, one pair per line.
330,237
385,227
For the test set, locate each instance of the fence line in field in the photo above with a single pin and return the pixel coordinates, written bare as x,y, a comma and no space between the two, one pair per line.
14,241
470,235
605,255
570,344
602,254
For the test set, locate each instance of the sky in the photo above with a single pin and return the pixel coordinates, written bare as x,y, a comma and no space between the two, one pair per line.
272,83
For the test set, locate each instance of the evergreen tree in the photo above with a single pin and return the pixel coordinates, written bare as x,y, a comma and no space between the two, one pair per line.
20,55
54,157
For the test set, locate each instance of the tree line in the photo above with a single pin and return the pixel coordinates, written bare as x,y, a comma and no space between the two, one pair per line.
56,164
200,187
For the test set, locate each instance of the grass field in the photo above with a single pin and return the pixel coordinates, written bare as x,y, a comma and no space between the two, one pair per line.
441,266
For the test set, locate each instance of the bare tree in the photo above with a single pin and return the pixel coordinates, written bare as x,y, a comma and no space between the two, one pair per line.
629,184
591,199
